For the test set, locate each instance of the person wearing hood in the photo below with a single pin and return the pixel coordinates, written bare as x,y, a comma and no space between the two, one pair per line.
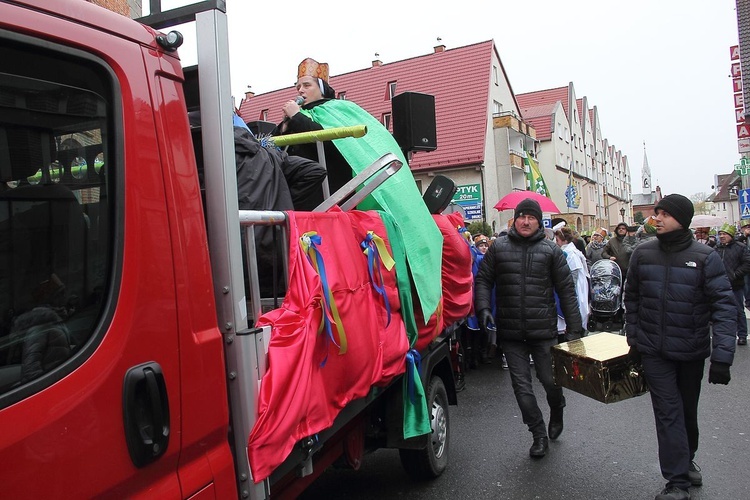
316,108
525,269
595,248
736,259
680,310
620,246
314,90
577,263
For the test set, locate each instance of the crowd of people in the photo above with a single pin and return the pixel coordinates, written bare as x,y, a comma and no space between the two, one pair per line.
684,299
684,295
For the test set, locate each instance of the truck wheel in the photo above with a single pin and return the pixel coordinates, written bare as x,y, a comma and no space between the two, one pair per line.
430,462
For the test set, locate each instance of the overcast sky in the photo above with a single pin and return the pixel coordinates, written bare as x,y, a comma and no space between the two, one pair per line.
657,70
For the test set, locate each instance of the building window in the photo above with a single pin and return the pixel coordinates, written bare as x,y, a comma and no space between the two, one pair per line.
342,96
495,77
391,90
386,120
559,130
497,108
566,135
264,115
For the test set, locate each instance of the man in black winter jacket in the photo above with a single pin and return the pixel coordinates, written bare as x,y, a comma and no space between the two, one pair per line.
525,268
677,302
736,258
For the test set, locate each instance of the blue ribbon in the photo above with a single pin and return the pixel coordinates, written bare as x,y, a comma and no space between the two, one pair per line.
413,360
310,242
373,260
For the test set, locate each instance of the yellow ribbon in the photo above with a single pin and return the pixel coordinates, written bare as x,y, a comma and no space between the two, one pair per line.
309,242
385,257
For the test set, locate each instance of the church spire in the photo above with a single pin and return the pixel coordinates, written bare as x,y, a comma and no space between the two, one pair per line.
646,173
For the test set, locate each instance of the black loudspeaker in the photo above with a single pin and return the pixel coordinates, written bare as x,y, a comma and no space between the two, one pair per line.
440,193
259,127
414,121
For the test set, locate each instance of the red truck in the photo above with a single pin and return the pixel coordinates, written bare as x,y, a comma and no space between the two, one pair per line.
131,361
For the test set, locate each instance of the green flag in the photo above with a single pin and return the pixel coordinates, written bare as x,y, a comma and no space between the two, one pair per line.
536,182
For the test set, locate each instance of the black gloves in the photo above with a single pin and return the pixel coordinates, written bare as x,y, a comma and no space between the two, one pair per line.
634,355
485,318
718,373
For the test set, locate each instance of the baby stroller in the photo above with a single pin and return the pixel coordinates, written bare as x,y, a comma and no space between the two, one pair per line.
606,294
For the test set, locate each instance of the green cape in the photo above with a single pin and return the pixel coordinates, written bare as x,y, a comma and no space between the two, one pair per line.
398,196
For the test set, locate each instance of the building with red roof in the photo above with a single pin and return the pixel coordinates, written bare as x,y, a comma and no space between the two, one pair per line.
484,130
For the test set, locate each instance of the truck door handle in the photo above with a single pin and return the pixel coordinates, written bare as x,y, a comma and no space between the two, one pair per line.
145,412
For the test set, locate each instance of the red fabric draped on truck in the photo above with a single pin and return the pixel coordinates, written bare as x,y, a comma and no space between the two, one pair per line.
340,328
456,279
328,338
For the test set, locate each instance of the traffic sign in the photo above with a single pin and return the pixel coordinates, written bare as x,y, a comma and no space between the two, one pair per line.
744,197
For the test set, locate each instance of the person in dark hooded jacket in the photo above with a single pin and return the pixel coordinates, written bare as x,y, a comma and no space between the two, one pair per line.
263,183
619,247
679,310
526,270
736,259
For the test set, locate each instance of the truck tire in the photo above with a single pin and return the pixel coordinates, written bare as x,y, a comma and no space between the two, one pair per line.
431,461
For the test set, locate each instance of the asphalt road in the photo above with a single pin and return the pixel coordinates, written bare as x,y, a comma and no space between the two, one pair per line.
607,451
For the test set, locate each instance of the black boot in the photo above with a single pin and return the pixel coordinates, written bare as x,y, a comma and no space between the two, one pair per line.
555,423
539,447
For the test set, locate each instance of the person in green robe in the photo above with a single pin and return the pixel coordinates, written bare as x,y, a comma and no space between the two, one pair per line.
399,195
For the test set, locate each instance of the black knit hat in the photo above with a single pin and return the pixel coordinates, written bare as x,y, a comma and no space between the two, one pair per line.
528,207
678,207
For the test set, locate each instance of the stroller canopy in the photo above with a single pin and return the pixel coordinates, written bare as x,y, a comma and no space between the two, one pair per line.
606,288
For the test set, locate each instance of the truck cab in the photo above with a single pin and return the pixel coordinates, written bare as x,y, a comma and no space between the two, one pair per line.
130,359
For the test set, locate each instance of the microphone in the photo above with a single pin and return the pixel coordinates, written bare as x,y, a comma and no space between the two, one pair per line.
299,100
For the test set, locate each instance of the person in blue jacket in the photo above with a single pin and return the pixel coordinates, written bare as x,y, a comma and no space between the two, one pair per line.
679,310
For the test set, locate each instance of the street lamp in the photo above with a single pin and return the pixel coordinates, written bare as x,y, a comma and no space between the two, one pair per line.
622,213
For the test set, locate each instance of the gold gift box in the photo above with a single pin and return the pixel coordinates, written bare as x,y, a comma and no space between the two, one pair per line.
599,367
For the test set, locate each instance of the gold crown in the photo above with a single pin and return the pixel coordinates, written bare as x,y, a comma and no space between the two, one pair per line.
311,67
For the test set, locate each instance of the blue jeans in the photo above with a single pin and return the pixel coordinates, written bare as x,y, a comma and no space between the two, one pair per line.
517,356
675,388
739,296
